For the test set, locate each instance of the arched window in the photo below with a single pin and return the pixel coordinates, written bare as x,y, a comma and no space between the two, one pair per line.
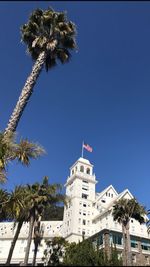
88,170
82,169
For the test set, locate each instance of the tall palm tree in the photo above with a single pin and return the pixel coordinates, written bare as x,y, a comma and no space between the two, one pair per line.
123,211
49,37
17,210
10,150
39,195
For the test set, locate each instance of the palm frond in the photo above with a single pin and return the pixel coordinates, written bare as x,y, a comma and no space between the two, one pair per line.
26,150
49,31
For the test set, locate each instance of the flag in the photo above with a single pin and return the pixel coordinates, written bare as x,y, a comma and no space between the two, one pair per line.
87,147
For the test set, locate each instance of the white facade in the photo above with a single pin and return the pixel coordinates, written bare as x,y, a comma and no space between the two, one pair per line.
80,189
51,229
86,214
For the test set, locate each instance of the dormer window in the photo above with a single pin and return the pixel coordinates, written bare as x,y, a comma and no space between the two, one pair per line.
88,170
81,168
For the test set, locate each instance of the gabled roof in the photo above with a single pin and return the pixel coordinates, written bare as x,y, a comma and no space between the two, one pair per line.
110,206
101,194
123,193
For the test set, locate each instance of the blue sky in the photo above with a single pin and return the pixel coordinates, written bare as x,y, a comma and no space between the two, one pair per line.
102,96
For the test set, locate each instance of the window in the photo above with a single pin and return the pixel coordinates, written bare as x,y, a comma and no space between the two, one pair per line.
84,222
84,181
84,213
85,187
145,246
134,244
84,204
72,171
103,200
100,240
83,232
111,195
84,196
79,220
82,169
117,239
88,170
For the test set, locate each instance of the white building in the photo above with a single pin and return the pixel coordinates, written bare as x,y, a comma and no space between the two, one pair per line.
87,214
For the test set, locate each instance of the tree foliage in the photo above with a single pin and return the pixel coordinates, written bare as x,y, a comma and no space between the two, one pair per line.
60,252
123,210
10,150
53,213
53,254
51,32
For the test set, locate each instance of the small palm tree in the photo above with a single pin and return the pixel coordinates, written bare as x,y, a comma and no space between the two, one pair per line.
39,195
10,150
16,209
49,37
54,252
4,198
123,211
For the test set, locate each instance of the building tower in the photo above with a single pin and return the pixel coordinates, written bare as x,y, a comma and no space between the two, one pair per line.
80,190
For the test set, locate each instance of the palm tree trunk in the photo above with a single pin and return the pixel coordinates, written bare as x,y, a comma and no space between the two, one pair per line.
124,245
31,225
36,239
14,243
35,253
128,245
25,94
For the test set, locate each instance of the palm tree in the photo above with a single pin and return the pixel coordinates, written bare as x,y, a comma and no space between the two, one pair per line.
4,198
39,195
148,222
17,210
123,211
37,237
49,37
10,150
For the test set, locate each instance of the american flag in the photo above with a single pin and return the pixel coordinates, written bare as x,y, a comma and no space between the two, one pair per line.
87,147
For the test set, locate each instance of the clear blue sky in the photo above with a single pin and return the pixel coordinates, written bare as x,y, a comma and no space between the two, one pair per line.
102,96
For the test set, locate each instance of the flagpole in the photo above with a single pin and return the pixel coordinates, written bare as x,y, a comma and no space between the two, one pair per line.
82,149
